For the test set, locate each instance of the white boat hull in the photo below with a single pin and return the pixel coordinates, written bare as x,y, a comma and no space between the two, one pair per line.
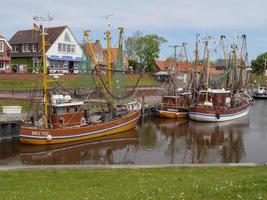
203,117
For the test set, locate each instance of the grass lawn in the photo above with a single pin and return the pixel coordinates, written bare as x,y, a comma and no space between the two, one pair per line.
165,183
13,102
20,81
259,79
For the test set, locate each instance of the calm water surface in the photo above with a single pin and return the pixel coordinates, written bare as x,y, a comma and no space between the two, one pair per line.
157,141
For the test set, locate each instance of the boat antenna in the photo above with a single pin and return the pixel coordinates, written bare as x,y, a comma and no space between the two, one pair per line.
41,29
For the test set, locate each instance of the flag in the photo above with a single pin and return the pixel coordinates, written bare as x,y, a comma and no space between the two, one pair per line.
36,28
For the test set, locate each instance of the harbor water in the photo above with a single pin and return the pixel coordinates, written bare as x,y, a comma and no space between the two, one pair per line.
157,141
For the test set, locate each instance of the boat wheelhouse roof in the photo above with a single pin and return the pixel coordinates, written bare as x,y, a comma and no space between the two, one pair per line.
216,91
177,96
77,103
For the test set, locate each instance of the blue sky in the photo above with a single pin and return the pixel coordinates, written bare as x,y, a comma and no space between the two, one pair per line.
176,20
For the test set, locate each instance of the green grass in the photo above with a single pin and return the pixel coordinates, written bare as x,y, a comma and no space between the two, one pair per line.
13,102
20,82
259,79
166,183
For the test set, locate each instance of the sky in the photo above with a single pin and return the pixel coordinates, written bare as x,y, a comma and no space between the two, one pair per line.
176,20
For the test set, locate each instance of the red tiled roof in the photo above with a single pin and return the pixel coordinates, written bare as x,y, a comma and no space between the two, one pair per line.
164,65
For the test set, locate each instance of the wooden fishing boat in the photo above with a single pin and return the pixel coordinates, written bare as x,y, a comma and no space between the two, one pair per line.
172,114
220,107
78,126
216,105
66,120
174,107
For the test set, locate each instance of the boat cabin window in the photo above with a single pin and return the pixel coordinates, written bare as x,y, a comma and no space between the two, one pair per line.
61,122
60,110
67,109
54,110
72,109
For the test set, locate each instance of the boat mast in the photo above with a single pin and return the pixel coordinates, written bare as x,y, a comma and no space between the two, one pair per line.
120,36
42,29
108,51
224,49
242,62
234,78
86,36
193,88
172,90
207,53
208,75
196,51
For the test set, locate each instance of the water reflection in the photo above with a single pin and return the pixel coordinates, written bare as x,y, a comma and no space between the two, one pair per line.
157,141
194,142
104,150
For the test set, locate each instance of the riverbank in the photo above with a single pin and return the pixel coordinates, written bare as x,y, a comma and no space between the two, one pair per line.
157,183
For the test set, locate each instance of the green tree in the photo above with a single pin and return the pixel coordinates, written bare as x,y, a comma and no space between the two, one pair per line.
143,50
148,49
258,64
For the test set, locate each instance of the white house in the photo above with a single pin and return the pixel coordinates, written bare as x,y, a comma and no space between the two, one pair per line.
65,54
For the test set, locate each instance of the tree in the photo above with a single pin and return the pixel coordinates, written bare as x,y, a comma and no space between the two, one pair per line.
143,50
259,63
148,49
131,46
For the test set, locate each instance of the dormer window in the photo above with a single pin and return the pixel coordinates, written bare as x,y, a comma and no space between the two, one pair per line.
25,48
34,48
15,48
1,46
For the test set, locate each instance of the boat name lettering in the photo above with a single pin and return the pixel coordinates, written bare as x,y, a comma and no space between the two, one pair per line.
40,133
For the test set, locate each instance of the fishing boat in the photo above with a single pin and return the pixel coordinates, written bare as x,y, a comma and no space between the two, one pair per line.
174,107
260,93
65,119
216,105
175,103
221,106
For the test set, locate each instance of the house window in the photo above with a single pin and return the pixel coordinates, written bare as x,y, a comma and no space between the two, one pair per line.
28,48
68,48
2,64
15,48
64,47
25,48
1,46
34,48
72,48
59,47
